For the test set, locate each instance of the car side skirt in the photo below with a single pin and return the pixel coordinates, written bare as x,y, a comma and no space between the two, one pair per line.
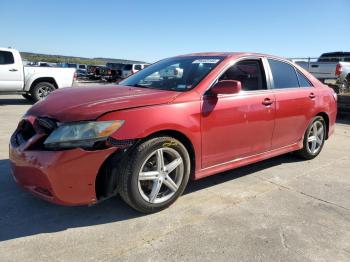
246,160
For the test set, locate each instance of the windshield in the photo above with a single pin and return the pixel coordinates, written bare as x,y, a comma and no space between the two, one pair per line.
178,73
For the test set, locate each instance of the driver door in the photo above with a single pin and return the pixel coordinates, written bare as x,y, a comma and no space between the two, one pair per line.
11,76
235,126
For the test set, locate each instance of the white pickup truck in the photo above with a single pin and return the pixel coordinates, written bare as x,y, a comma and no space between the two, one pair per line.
331,68
34,83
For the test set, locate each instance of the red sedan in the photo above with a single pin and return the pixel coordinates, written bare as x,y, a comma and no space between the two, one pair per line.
184,117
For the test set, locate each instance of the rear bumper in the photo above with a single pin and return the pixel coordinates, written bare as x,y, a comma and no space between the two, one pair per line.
62,177
332,120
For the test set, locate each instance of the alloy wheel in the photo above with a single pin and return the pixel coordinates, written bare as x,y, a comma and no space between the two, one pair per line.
315,137
43,91
160,175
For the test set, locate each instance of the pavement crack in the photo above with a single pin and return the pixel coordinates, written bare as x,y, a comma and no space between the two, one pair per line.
322,200
347,251
283,239
307,195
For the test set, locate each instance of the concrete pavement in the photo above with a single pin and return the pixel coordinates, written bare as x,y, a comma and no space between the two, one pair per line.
282,209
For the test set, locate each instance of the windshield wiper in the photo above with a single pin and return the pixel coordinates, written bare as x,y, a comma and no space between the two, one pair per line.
137,85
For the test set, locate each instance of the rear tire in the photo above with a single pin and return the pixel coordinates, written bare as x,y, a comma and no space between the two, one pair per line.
314,138
41,90
154,174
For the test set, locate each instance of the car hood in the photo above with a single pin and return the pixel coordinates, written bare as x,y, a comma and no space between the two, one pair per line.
88,103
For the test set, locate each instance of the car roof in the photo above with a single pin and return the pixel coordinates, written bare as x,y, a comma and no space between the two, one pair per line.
7,49
339,53
231,54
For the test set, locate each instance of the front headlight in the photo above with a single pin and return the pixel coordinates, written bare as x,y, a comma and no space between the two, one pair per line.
81,134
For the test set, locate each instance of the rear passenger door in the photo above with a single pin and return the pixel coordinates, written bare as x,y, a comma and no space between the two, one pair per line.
295,103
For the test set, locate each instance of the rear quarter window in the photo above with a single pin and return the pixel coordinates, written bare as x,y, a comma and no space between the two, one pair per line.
303,81
283,74
6,58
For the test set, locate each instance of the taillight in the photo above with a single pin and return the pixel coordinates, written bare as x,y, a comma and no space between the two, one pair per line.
109,72
338,70
75,76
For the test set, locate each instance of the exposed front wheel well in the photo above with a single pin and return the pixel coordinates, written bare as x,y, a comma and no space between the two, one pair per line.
106,179
105,182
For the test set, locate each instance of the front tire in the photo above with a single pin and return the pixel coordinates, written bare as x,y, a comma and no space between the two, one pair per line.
154,175
41,90
314,138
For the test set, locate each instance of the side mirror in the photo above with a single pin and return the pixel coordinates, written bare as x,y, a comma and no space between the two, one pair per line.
226,87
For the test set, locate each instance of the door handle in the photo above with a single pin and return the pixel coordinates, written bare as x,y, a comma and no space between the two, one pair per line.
314,65
267,101
312,95
13,70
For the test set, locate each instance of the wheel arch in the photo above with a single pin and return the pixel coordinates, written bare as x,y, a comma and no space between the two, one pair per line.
183,139
105,182
50,80
326,119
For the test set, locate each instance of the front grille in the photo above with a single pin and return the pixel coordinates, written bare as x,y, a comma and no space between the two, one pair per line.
120,143
45,125
26,130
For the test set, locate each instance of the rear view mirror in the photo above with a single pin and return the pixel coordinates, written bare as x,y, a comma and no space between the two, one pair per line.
226,87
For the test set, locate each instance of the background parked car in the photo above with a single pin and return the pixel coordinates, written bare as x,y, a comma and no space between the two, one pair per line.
94,71
113,72
332,68
39,63
172,72
81,74
33,82
130,69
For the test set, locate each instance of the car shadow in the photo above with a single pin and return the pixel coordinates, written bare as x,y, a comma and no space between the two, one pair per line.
15,101
343,121
25,215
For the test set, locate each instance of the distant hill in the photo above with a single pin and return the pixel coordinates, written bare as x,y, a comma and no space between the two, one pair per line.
34,57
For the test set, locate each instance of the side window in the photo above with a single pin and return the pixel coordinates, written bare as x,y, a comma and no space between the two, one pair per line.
283,74
303,82
249,72
6,58
137,67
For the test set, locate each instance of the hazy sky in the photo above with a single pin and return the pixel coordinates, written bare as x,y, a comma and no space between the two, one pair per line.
149,30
